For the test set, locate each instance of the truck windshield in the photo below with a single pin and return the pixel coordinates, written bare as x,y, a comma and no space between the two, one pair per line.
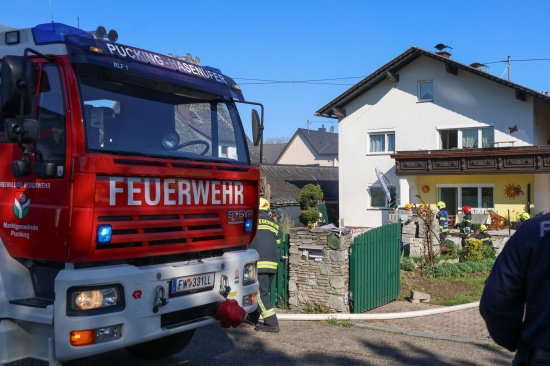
147,117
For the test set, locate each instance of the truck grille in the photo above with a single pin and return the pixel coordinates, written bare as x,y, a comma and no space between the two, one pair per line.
154,230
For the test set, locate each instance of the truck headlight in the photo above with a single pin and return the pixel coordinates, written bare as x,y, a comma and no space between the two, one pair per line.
249,273
95,300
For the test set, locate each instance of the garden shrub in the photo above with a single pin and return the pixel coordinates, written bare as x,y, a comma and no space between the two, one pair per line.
451,245
474,250
458,269
407,264
310,197
309,217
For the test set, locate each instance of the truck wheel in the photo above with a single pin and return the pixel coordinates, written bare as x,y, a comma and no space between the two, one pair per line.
162,347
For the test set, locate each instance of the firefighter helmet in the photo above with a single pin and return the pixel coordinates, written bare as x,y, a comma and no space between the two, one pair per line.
524,216
264,204
482,228
441,205
467,210
408,207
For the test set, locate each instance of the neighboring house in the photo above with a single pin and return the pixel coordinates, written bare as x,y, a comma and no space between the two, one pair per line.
287,181
441,130
311,147
271,152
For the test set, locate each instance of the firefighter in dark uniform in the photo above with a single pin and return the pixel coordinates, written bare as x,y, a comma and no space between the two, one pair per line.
442,217
266,243
466,225
522,218
515,303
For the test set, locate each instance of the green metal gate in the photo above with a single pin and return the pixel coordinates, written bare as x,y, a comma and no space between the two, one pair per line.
375,267
278,292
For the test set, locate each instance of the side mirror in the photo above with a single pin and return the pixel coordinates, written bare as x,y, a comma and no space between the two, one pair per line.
16,85
26,132
257,128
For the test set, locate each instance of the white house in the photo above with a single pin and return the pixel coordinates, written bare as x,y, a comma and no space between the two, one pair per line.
440,130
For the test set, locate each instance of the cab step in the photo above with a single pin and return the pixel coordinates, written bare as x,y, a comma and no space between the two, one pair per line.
35,302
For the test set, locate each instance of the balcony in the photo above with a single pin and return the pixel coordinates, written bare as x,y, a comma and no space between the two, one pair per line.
496,160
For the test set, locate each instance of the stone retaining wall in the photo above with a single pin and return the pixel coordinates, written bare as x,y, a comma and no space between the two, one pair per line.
414,237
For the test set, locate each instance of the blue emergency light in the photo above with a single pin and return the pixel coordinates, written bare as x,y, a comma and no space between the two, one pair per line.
55,33
104,234
247,225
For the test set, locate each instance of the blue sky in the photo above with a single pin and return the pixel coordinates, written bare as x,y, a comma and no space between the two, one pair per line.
290,42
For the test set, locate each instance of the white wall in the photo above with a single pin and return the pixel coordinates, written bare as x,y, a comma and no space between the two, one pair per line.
541,195
464,100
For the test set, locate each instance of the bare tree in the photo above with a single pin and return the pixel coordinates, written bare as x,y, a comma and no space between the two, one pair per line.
277,140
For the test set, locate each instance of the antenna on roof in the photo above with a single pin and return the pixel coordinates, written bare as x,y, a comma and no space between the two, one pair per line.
51,11
326,121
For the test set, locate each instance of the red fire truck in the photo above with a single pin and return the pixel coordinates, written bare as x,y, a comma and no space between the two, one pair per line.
127,197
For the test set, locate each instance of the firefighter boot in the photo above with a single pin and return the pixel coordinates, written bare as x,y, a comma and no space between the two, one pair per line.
261,327
248,320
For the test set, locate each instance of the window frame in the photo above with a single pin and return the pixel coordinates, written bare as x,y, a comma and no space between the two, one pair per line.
378,187
386,135
460,136
419,91
459,197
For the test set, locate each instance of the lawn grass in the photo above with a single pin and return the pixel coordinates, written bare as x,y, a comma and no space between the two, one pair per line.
476,284
446,291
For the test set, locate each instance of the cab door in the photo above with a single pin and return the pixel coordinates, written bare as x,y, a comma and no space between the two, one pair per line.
40,204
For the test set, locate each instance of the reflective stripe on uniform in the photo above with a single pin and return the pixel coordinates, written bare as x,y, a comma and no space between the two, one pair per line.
266,313
269,228
267,264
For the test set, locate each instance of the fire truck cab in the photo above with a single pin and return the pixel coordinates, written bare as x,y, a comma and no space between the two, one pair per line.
127,197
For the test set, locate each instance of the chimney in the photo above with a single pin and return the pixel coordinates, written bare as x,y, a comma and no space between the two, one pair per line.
322,129
444,54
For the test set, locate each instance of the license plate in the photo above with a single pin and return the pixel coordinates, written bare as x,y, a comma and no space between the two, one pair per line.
191,284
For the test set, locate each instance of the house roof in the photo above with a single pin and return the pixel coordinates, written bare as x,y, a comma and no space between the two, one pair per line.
254,152
391,68
323,143
287,181
271,152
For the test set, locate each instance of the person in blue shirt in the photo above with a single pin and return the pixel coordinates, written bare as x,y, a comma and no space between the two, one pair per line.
515,303
442,217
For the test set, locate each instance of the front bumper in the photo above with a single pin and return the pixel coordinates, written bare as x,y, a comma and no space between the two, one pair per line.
141,318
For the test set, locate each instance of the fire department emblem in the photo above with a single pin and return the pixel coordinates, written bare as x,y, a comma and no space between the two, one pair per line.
21,206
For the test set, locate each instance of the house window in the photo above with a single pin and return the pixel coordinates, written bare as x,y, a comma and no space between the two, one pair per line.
481,197
378,197
474,195
382,142
465,138
425,91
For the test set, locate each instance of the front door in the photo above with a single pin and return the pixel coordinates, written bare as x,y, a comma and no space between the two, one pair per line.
450,197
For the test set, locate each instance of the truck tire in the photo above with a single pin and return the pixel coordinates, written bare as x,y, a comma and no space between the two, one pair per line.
162,347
